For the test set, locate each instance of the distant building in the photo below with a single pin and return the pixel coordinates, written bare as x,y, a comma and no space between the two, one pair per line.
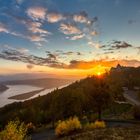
119,68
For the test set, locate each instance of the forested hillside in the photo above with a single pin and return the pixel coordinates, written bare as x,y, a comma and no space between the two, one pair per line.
91,95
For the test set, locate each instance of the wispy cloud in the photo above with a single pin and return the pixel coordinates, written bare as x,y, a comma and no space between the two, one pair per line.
76,37
52,60
34,27
19,1
82,17
37,13
74,26
37,38
54,17
93,44
69,29
3,28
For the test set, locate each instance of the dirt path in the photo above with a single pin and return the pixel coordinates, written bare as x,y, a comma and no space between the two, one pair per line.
44,135
132,97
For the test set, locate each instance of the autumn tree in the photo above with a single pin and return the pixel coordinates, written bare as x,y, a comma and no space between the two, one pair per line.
100,96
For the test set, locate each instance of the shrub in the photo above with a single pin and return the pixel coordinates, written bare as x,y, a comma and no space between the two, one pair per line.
30,127
96,124
100,124
14,131
68,126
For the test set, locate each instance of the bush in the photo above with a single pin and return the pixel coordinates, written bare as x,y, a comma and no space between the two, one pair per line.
14,131
100,124
68,126
96,124
30,127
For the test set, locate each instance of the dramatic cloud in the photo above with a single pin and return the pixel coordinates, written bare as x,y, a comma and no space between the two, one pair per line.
81,17
69,29
35,25
37,13
54,17
59,54
120,45
74,64
116,45
52,56
52,61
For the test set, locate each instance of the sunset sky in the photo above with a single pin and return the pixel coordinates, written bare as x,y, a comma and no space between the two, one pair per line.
68,37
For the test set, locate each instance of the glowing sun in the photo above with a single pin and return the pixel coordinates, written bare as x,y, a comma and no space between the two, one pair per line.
98,73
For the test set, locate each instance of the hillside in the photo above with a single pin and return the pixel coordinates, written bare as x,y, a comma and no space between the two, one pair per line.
3,88
79,98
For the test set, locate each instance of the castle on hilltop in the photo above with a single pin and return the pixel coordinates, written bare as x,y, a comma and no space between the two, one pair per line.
119,68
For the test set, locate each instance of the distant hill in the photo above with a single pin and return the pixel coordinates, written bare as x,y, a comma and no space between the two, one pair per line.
72,100
43,82
25,76
3,88
28,76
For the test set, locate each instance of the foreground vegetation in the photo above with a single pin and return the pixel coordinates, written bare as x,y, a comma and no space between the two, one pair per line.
14,130
115,133
89,96
92,97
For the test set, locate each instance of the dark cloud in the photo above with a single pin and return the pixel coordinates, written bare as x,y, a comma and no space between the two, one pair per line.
78,53
15,55
52,61
120,45
52,56
59,53
30,66
116,45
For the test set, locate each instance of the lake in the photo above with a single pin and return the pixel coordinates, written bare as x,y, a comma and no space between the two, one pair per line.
20,89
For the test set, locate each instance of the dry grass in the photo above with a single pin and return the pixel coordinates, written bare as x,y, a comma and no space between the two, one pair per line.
116,133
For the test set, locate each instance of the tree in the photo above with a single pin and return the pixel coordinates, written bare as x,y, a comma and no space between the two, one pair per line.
101,96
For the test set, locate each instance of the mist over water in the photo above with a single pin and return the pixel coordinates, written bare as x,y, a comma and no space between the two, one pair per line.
21,89
14,90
